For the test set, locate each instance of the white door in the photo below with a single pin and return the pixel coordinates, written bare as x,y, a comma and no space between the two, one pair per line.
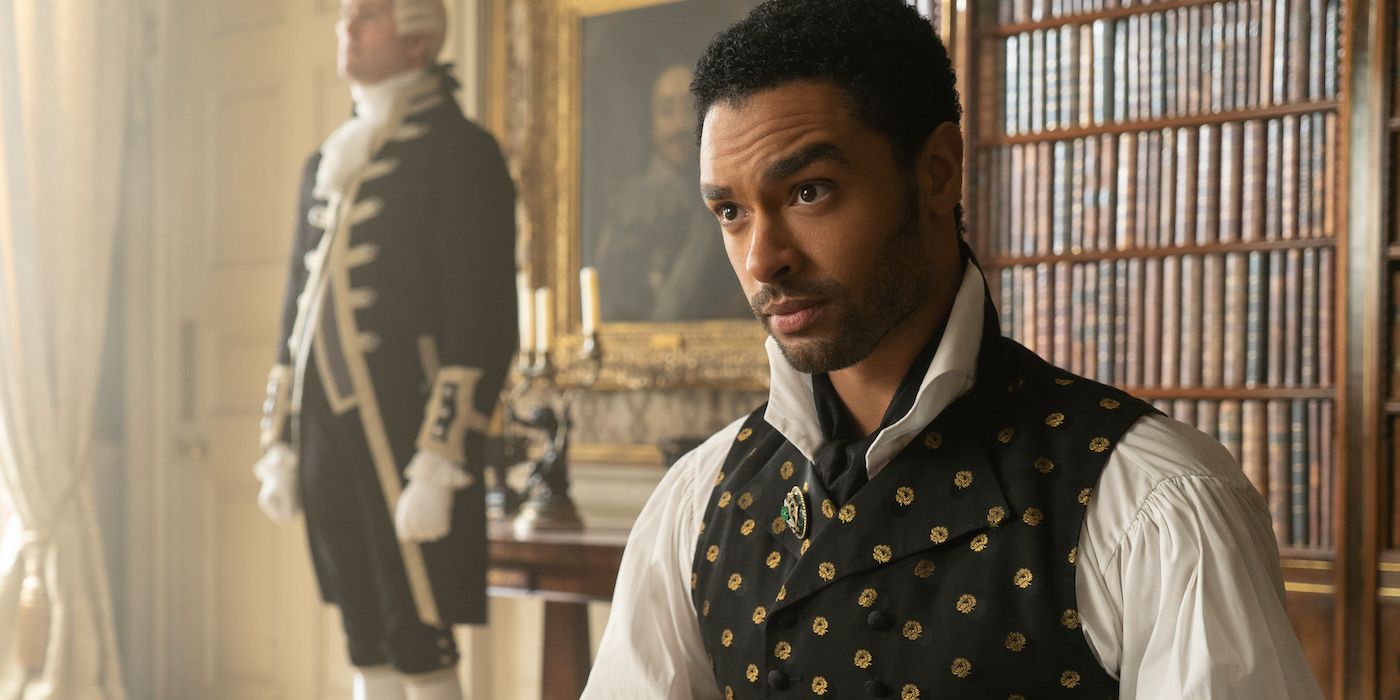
251,88
247,90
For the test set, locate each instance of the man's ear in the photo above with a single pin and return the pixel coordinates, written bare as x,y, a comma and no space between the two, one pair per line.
940,169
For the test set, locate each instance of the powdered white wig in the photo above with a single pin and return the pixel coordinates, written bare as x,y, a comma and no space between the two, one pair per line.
423,17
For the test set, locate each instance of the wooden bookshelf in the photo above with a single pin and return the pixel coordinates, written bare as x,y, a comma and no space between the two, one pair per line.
1067,133
1128,10
1159,193
1160,252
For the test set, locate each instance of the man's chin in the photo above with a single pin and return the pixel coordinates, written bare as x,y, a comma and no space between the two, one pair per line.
808,354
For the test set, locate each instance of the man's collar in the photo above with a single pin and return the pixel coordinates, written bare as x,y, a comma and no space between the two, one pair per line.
791,410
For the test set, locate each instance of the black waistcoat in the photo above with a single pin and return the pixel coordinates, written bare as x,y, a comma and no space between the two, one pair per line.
950,575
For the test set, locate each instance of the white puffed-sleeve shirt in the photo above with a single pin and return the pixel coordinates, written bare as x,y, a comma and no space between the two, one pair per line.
1178,583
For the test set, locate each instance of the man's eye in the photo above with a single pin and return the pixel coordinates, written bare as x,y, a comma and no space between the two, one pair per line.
812,192
727,212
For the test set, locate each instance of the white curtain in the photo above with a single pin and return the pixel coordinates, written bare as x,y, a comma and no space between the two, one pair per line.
64,74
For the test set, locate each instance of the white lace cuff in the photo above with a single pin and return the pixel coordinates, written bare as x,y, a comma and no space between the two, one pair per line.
432,468
278,460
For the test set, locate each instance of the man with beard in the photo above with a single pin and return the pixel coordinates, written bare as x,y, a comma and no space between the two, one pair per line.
923,508
397,330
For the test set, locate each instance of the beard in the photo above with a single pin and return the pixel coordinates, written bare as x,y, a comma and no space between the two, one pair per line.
896,285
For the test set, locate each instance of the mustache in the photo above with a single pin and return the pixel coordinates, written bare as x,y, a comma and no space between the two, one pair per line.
769,293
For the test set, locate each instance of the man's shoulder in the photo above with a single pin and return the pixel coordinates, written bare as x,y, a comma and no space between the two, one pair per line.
1159,465
1159,448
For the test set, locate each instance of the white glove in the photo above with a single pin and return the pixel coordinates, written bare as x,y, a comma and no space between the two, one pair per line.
280,496
424,513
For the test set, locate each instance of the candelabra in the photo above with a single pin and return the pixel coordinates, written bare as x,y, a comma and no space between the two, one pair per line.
539,405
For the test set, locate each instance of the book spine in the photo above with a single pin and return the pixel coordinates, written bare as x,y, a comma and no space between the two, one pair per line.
1127,185
1053,71
1280,496
1106,326
1208,199
1144,196
1215,38
1298,61
1231,173
1254,458
1171,320
1191,347
1212,320
1236,349
1298,472
1092,305
1077,326
1059,206
1006,308
1061,279
1313,488
1013,87
1307,346
1252,178
1016,185
1120,70
1292,326
1328,444
1120,321
1256,359
1108,197
1152,322
1266,52
1252,32
1075,215
1288,187
1044,312
1133,358
1186,183
1155,97
1326,283
1275,328
1045,198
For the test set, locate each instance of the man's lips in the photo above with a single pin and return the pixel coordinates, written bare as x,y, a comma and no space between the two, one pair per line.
794,315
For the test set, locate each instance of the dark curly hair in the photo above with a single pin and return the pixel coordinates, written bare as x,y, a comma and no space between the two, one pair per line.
882,53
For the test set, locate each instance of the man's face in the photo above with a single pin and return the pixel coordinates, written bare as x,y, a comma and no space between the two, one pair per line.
370,48
671,116
822,225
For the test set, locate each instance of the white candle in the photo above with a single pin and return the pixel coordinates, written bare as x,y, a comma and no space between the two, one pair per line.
525,314
544,330
588,291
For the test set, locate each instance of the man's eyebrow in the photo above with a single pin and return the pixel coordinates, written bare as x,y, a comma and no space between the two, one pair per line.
795,163
785,167
714,192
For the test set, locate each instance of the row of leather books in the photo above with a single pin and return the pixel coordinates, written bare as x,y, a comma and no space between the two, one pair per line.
1220,320
1256,180
1176,61
1285,448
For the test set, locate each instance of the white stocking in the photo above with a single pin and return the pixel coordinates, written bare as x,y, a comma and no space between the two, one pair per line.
376,683
437,685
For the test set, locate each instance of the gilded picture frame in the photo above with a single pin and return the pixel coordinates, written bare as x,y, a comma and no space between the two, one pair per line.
542,86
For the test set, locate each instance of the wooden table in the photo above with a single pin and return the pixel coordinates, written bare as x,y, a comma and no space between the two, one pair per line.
567,570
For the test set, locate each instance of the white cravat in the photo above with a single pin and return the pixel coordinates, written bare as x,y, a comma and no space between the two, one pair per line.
347,149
